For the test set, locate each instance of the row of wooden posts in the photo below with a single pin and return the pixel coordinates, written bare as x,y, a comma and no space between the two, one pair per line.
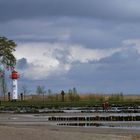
97,118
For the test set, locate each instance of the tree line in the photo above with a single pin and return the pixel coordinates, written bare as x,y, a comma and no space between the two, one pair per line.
73,95
70,95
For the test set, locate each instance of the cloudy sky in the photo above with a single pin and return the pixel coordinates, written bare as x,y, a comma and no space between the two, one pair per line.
93,45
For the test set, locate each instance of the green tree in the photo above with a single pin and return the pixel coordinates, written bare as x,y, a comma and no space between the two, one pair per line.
7,59
7,47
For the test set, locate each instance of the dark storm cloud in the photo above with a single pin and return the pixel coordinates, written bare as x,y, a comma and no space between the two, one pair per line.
126,56
93,23
119,72
91,33
116,9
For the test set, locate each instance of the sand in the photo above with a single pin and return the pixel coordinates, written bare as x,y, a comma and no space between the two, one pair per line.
39,132
36,127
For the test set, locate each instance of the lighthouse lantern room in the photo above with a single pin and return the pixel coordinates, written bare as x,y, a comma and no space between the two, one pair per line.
14,76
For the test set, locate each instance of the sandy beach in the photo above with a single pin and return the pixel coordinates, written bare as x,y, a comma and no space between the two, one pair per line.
36,127
25,132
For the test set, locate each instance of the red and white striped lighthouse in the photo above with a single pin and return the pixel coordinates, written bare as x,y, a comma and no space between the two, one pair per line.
14,76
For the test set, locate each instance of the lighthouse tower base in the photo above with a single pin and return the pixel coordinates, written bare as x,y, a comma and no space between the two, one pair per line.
15,94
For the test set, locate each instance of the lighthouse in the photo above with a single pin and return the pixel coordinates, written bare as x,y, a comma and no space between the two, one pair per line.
14,76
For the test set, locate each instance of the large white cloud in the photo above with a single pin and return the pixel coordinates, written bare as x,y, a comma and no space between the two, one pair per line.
84,55
45,59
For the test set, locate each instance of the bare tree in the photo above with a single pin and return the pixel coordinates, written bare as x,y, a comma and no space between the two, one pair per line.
40,90
25,91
